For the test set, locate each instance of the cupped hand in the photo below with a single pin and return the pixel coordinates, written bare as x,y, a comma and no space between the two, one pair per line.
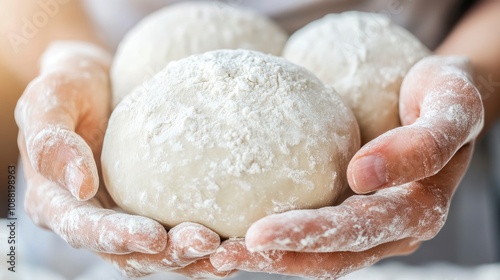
62,118
136,245
440,110
414,171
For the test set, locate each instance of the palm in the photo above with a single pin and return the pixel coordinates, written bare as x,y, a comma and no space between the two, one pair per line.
424,161
62,117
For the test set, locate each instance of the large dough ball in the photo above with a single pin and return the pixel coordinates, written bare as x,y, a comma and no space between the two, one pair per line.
225,138
180,30
364,56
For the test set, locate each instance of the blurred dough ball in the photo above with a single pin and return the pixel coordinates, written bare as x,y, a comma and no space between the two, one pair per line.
364,56
184,29
225,138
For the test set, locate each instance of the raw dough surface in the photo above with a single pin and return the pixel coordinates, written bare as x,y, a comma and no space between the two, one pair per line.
364,56
225,138
180,30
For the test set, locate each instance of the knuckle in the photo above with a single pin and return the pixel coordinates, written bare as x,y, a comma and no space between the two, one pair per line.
45,84
72,238
94,135
59,85
425,156
108,240
433,154
467,89
29,96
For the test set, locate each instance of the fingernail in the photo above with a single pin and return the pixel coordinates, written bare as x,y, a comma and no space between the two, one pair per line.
369,173
73,178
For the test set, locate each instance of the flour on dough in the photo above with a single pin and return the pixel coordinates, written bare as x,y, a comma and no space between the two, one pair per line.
364,56
180,30
225,138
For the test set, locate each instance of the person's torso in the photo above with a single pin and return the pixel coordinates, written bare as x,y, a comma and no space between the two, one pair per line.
429,20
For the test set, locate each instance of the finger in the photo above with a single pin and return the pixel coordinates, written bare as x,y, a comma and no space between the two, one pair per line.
356,225
188,242
233,255
361,222
191,241
441,110
61,115
203,269
200,269
85,224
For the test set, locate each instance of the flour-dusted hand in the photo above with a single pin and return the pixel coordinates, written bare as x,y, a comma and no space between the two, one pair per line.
186,252
440,110
135,245
334,241
62,117
442,114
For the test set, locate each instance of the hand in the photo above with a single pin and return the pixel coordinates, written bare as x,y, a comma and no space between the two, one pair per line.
442,114
62,117
135,245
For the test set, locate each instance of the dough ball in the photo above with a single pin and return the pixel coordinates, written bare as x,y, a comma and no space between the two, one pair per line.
225,138
180,30
364,56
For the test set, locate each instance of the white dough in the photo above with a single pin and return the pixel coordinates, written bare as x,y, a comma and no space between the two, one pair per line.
225,138
364,56
180,30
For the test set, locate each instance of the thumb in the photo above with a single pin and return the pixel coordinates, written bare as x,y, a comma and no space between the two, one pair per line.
60,116
441,110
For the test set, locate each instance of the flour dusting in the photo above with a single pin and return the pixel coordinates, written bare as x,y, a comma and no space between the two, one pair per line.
356,225
365,57
87,225
228,134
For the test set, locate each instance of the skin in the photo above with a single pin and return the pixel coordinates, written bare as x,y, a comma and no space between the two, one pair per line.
330,242
416,170
415,186
62,116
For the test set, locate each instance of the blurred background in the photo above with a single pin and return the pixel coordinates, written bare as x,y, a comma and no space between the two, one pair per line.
474,218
